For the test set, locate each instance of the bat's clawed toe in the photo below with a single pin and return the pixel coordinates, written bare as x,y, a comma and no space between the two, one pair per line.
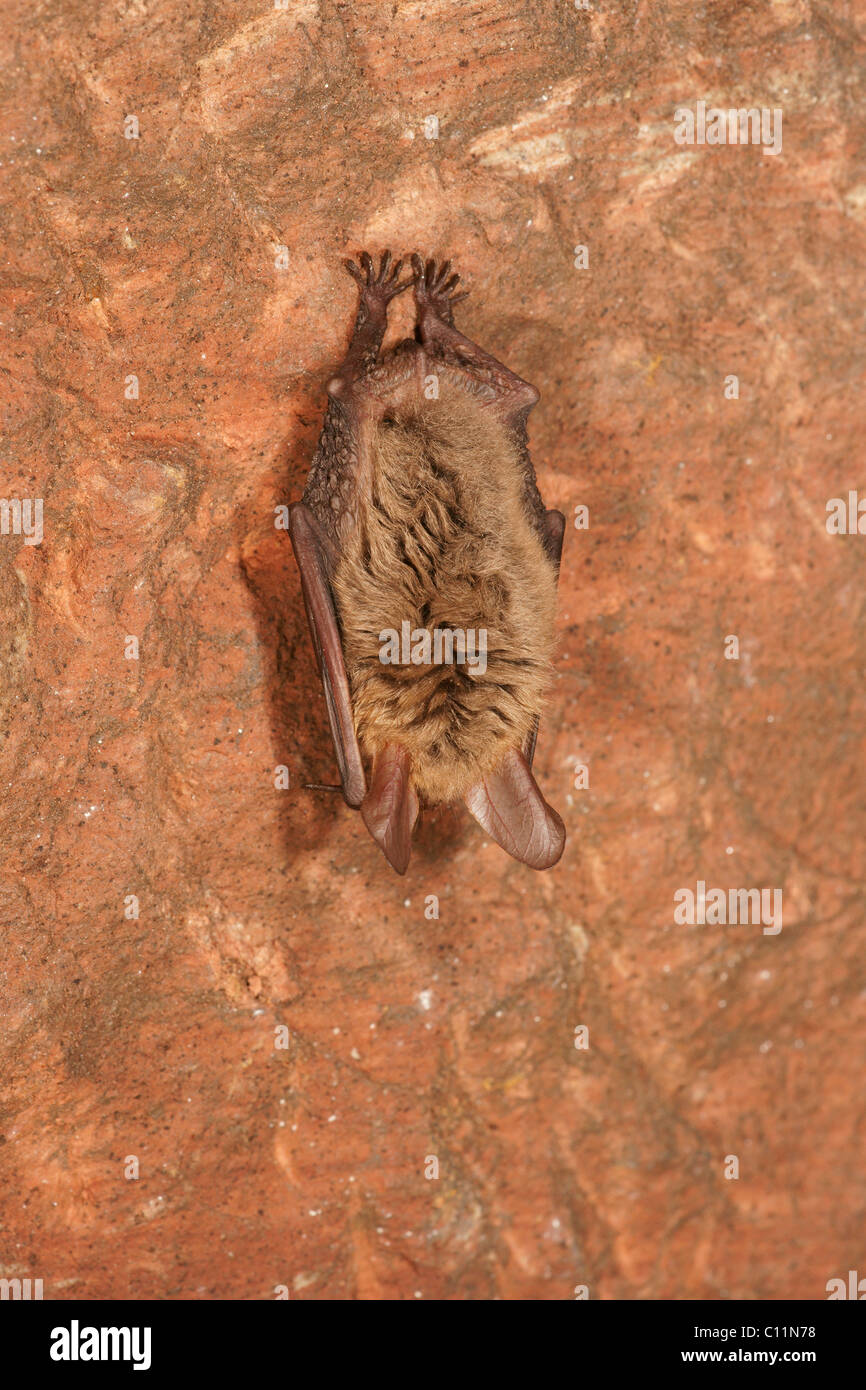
355,272
434,289
378,287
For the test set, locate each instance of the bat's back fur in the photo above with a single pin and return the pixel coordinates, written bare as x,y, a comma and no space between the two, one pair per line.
445,542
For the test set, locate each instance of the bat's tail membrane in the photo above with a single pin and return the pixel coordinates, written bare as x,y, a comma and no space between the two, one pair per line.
509,806
390,807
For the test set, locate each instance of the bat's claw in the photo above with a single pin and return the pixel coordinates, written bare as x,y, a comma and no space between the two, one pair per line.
378,288
434,288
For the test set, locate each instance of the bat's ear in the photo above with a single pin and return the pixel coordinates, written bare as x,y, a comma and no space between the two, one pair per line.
509,806
390,807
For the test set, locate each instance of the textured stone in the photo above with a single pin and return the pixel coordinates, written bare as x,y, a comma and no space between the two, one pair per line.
410,1037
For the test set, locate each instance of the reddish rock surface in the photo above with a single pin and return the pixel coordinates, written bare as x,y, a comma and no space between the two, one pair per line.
412,1037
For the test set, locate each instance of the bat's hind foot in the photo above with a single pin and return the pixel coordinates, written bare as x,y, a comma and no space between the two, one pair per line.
435,300
378,288
434,291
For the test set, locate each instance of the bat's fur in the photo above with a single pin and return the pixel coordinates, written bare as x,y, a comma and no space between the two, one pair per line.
444,541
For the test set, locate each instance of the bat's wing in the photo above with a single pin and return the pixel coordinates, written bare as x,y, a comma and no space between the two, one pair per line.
509,806
554,530
311,554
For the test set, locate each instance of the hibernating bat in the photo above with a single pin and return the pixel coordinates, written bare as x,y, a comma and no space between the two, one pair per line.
429,568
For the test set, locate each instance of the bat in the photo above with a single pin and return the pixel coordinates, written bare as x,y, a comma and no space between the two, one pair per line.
429,568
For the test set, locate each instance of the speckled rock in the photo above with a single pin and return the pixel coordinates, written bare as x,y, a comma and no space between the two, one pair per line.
240,1055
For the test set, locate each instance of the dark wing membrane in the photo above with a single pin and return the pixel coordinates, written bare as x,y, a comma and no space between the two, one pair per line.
554,530
325,631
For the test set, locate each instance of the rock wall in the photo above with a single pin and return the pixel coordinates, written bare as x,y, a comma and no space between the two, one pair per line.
182,181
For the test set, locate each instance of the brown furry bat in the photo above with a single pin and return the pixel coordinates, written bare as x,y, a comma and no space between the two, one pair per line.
429,566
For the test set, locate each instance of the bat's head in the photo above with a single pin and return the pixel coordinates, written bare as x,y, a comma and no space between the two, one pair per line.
507,803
